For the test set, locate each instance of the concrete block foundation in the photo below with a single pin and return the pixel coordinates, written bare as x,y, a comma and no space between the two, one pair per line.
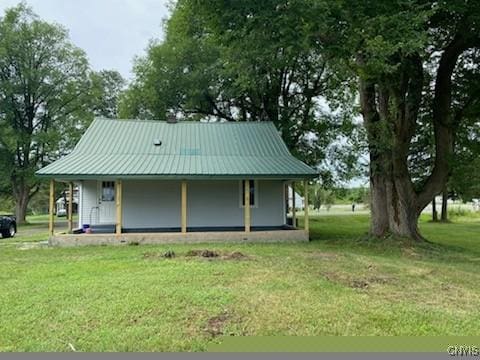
271,236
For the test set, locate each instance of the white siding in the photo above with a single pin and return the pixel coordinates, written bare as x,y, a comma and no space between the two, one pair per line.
88,211
156,204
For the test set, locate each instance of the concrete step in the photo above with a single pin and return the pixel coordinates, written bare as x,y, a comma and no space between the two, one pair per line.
103,229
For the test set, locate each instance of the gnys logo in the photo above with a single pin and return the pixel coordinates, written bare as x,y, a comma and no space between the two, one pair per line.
463,350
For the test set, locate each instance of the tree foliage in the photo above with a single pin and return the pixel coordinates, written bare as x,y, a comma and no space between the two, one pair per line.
44,98
320,196
107,87
246,61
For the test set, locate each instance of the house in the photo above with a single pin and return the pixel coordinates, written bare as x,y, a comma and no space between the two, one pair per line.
62,203
295,198
476,204
154,181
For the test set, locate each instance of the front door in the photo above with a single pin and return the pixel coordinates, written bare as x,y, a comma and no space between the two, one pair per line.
106,202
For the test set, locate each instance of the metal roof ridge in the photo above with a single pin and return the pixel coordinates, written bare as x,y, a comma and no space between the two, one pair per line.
183,121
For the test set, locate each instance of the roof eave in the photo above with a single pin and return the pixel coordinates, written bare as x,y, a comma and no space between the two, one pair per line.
79,177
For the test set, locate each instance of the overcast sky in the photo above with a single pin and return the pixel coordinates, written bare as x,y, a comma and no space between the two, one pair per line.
111,32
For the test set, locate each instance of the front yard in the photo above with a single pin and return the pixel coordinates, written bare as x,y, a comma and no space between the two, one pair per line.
132,298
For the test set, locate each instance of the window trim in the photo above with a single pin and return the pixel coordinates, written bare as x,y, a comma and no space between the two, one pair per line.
103,187
255,194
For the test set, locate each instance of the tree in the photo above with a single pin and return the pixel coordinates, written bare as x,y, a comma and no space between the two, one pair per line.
44,98
404,52
358,195
320,196
466,147
245,61
434,210
465,178
107,87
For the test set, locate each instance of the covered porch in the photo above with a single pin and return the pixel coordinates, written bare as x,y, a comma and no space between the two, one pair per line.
186,227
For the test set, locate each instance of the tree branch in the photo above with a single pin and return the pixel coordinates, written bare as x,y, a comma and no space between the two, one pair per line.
442,122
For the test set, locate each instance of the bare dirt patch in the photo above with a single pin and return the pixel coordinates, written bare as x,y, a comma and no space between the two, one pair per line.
169,254
202,253
358,282
215,325
210,254
236,255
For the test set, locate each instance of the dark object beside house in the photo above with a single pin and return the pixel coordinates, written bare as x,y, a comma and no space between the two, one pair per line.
8,226
290,222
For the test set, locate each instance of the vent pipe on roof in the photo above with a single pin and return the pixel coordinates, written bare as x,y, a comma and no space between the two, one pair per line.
171,118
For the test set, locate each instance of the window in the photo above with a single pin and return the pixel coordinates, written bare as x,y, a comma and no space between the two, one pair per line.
108,191
253,193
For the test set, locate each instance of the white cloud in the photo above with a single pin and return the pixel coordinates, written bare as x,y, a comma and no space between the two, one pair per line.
111,32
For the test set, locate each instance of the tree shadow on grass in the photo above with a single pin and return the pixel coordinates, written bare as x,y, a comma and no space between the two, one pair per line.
352,233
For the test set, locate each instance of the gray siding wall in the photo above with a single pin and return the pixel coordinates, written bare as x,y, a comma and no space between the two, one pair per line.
213,203
149,203
217,203
271,204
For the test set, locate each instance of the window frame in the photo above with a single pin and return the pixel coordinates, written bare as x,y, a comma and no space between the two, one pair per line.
241,187
107,185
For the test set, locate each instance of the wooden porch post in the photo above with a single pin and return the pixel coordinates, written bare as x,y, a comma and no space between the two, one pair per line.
70,207
294,210
247,205
184,207
306,224
51,206
118,206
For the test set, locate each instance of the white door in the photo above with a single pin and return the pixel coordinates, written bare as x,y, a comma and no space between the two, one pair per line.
106,202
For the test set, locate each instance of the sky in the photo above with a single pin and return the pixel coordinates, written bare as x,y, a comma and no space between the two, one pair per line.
111,32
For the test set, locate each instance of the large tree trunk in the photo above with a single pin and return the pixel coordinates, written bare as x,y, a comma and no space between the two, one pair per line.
379,223
434,210
390,106
402,212
378,206
393,208
393,199
444,216
22,197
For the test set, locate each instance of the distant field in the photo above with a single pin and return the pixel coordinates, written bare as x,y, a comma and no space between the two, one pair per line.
346,209
130,298
338,209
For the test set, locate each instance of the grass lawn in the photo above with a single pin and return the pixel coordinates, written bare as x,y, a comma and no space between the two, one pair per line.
131,298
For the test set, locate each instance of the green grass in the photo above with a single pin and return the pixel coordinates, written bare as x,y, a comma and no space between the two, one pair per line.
341,283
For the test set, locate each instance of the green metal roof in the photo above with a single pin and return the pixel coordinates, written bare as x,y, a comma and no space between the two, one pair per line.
126,149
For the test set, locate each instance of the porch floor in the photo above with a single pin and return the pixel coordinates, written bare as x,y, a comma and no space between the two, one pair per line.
110,229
